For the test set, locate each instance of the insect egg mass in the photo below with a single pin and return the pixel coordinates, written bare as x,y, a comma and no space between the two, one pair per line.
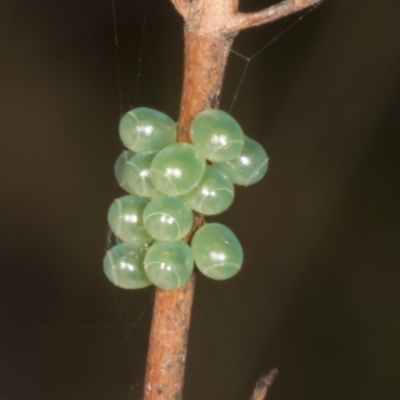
168,182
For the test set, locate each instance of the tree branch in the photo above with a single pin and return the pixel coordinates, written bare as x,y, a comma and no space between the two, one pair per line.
262,385
182,6
168,343
241,21
205,61
210,27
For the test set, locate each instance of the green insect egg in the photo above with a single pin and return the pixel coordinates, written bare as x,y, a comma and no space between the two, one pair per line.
177,169
217,135
214,193
217,251
137,175
125,217
169,265
119,169
145,129
249,167
124,266
167,218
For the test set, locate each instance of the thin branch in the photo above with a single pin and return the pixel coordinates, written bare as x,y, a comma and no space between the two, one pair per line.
210,27
263,384
205,61
241,21
168,343
182,6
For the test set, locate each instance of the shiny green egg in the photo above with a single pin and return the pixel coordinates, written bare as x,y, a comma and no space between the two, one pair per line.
249,166
216,135
177,169
125,218
137,175
124,266
146,129
169,265
213,194
217,251
167,218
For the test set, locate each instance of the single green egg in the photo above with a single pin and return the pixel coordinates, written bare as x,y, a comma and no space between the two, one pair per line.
125,217
169,265
145,129
177,169
217,251
249,166
167,218
216,135
213,194
124,266
137,175
119,169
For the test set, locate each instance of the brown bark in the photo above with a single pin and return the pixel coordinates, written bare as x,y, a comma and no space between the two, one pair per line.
210,28
205,61
168,342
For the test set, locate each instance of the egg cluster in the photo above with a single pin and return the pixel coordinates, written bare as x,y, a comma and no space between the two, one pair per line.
166,182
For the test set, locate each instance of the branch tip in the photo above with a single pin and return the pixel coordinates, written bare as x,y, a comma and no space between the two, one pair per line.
263,384
247,20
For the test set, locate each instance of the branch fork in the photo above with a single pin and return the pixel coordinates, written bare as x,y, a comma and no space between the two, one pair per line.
212,17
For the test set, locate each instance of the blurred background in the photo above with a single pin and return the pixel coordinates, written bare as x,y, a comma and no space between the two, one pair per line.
318,295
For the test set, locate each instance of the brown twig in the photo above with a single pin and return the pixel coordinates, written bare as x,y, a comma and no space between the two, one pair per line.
263,384
210,27
171,315
243,21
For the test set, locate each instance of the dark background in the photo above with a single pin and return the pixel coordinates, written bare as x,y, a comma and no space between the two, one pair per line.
318,294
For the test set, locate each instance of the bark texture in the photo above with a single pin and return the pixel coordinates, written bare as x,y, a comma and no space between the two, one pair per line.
205,61
168,342
210,27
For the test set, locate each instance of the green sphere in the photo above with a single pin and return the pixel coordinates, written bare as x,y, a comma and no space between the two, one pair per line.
213,195
177,169
167,219
124,266
169,265
217,251
217,135
249,167
137,175
125,217
145,129
119,169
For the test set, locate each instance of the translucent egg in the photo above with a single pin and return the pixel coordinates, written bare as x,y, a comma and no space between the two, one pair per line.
119,169
249,167
137,175
217,251
216,135
177,169
145,129
167,218
124,266
169,265
213,194
125,217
